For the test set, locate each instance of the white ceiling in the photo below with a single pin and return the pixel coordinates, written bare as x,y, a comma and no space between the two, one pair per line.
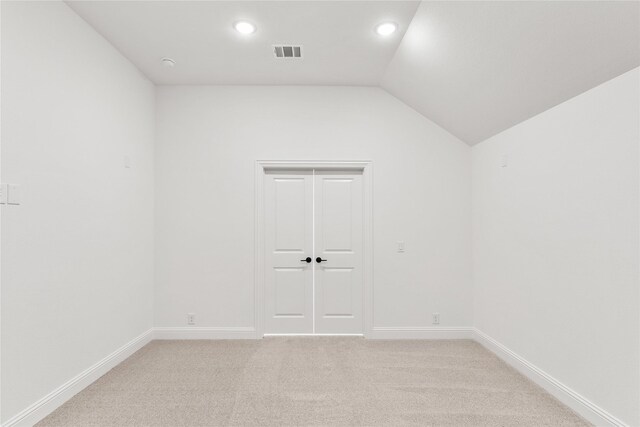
478,68
339,43
475,68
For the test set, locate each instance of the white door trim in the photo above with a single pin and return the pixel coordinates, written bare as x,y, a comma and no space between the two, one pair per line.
366,166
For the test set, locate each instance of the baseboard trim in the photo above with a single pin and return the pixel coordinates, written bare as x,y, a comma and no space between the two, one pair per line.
43,407
314,335
204,333
587,409
422,332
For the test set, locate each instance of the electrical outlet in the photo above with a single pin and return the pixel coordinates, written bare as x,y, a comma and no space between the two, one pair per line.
191,319
436,318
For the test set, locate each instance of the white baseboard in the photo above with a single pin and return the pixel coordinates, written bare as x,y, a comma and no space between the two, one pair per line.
43,407
216,333
587,409
204,333
424,332
314,335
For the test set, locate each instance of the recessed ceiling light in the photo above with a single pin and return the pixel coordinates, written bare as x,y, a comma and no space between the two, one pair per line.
244,27
167,62
386,28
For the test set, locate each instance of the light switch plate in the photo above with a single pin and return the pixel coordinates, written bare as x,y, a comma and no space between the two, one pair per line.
400,246
504,161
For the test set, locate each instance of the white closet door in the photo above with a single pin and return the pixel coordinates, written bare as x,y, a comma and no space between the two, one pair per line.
338,243
289,241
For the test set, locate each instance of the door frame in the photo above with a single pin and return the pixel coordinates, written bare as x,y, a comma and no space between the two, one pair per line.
366,166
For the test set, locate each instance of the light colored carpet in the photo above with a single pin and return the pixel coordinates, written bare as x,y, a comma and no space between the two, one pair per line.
313,381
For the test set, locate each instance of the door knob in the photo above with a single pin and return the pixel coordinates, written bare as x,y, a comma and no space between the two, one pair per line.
307,260
319,260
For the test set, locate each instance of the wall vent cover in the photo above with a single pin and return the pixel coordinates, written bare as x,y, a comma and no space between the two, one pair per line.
287,51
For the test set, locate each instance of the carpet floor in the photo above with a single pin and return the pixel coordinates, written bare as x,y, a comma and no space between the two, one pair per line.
286,381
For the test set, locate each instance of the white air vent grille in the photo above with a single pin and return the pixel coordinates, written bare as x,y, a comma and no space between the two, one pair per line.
287,51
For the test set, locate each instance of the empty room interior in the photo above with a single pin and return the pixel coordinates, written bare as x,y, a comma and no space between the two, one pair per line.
320,213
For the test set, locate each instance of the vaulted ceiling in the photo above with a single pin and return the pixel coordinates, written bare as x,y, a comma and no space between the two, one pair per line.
475,68
478,68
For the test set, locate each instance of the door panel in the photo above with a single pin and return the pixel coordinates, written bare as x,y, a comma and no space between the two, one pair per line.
336,215
290,296
288,240
291,228
338,240
337,292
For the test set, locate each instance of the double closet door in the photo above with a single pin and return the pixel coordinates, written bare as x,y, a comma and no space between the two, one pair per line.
313,259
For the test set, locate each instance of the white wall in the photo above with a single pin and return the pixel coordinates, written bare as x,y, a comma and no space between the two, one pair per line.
77,254
555,243
208,139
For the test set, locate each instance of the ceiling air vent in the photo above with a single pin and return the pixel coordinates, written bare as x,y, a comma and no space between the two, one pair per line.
287,51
